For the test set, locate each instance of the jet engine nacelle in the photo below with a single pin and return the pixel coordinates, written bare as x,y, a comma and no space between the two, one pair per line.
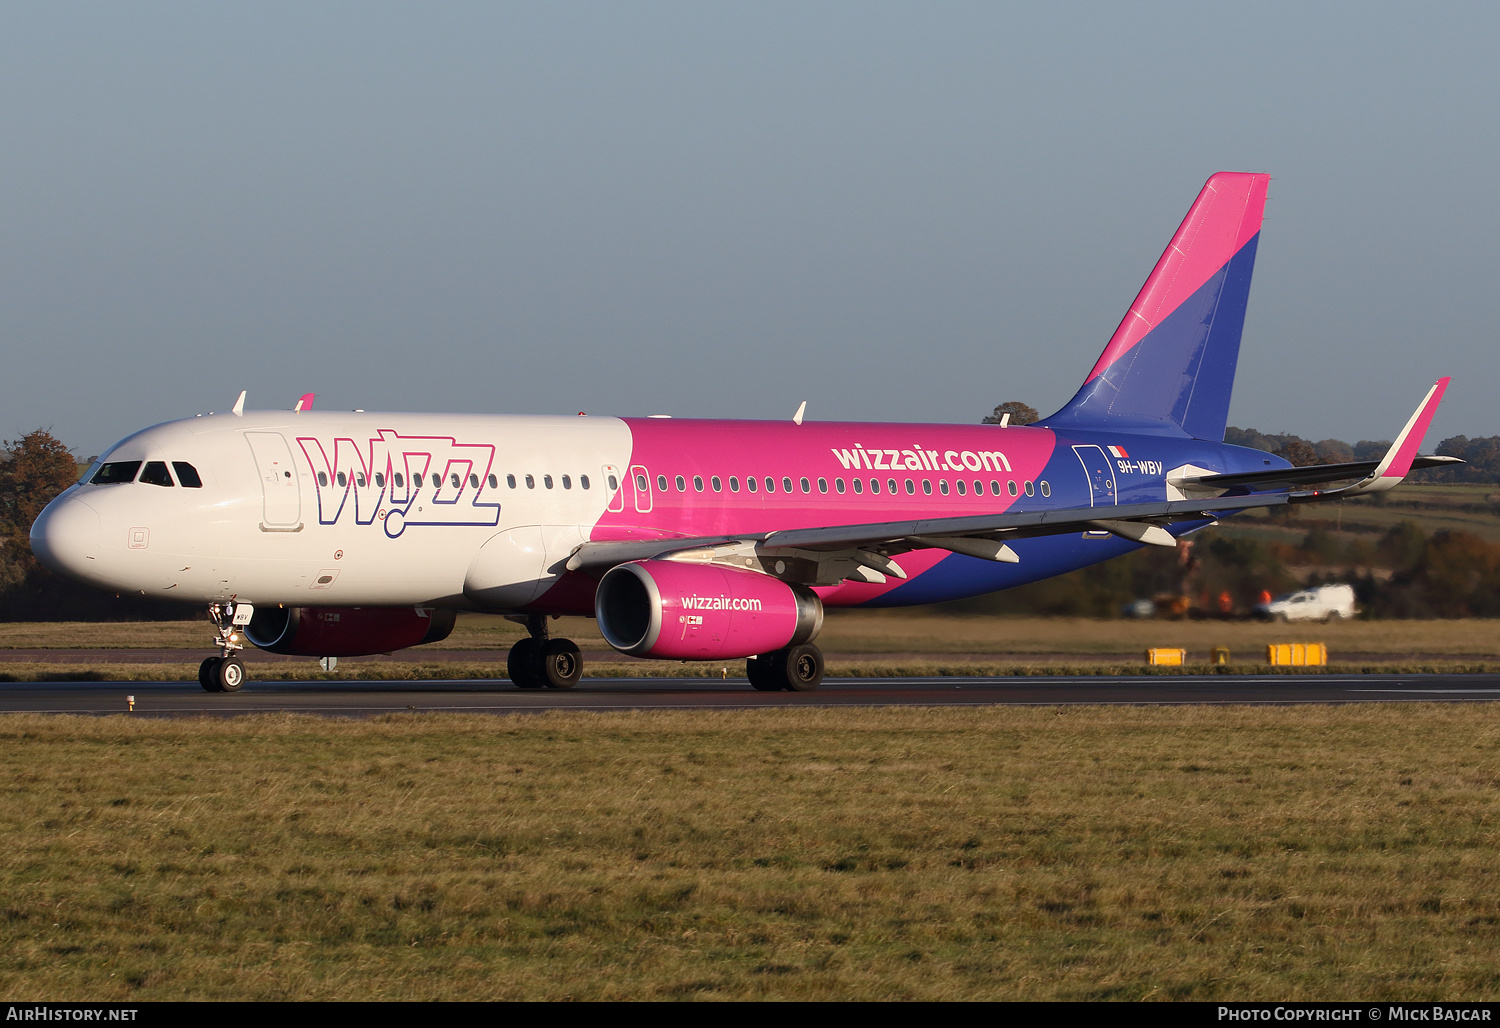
678,611
345,631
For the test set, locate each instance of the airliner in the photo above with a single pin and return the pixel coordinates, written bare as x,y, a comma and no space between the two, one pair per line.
330,534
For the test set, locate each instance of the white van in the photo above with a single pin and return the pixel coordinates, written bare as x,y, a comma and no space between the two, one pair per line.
1324,603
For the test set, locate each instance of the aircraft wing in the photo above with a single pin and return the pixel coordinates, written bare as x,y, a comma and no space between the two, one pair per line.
865,550
1311,475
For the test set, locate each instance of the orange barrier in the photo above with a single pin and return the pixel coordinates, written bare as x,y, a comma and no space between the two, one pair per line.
1297,654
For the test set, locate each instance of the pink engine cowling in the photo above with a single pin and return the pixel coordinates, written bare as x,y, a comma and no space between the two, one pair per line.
345,631
679,611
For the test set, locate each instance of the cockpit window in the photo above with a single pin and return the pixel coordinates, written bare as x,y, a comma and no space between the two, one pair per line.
187,475
116,471
156,473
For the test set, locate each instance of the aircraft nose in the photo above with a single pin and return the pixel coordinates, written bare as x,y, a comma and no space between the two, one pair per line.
66,537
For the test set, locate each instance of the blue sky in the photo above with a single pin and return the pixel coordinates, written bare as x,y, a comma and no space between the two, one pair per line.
893,211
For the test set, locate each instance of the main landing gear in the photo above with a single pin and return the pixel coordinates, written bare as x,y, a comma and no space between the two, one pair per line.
793,669
538,662
225,673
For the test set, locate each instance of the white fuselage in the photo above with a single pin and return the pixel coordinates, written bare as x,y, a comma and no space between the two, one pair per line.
290,512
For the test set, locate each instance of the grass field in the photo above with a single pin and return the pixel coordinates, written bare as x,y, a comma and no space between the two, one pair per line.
1453,507
1086,853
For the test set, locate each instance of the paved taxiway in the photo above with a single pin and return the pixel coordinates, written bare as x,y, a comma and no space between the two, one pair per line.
364,699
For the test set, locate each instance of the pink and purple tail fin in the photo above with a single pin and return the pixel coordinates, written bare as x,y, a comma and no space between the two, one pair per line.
1170,365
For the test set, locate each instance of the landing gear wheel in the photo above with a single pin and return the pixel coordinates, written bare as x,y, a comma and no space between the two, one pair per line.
794,669
208,674
561,664
804,667
762,673
523,665
230,674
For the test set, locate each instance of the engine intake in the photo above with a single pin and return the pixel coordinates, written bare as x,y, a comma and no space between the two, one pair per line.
676,611
346,631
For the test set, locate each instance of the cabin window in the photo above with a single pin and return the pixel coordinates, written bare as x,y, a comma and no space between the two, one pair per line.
458,482
911,487
494,482
822,485
343,480
874,487
806,486
838,486
734,484
547,481
661,482
640,483
994,487
926,487
859,486
1011,487
750,483
962,489
698,483
786,485
187,475
681,484
416,480
156,473
718,485
891,486
614,483
473,481
1030,489
1046,489
567,482
943,486
510,480
583,480
116,471
530,482
359,479
379,480
770,484
322,479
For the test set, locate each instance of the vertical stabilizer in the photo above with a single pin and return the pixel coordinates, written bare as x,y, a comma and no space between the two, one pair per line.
1170,365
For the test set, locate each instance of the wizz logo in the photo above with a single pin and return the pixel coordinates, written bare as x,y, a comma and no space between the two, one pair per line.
403,480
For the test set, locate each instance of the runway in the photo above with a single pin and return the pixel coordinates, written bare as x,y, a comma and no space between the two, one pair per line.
367,699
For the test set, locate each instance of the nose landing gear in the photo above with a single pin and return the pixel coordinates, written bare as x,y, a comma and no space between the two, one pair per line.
538,662
225,673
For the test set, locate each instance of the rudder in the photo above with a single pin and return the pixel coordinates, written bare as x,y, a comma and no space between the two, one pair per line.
1170,365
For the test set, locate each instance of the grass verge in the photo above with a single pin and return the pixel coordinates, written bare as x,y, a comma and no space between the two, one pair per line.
398,671
1079,853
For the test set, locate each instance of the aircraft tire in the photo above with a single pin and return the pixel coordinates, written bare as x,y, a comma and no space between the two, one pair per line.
803,667
523,665
561,664
208,674
793,669
761,671
229,676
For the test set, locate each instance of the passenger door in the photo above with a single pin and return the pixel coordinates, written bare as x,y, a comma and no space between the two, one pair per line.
278,481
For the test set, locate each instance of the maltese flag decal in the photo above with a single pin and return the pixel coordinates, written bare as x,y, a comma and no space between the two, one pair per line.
1119,452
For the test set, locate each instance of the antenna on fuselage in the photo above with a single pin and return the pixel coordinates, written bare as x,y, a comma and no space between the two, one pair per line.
801,410
239,405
